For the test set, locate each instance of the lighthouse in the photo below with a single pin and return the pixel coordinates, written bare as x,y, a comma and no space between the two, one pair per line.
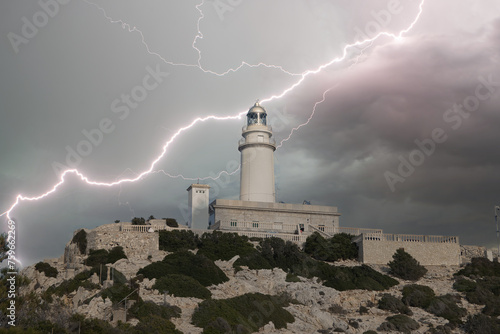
257,157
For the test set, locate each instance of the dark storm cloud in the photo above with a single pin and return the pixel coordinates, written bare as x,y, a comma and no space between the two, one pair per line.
64,81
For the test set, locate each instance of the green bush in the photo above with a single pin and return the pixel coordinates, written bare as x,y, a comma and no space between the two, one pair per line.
118,292
486,292
400,323
142,310
482,324
446,307
480,267
186,263
395,305
177,240
47,269
224,246
405,266
292,278
349,278
138,221
171,222
97,257
80,239
115,254
339,247
182,286
418,295
464,285
245,313
156,324
68,286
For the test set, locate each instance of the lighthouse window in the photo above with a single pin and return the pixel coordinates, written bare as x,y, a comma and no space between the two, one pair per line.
263,119
252,119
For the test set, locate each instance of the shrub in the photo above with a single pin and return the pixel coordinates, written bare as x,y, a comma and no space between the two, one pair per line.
236,313
115,254
97,257
224,246
156,324
418,295
446,307
171,222
464,285
405,266
337,309
182,286
480,266
339,247
482,324
486,293
186,263
118,292
292,278
80,239
395,305
141,310
47,269
349,278
370,332
177,240
138,221
400,323
68,286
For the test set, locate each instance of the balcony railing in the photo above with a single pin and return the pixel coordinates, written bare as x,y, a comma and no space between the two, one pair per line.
411,238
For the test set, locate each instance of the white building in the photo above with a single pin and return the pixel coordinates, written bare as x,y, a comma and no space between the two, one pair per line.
198,206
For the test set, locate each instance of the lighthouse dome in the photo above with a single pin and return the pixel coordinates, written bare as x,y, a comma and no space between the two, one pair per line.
256,115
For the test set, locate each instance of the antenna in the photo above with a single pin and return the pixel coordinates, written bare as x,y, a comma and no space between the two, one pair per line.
497,208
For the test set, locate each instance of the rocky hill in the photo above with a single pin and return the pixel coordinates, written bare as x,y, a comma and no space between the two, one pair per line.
223,283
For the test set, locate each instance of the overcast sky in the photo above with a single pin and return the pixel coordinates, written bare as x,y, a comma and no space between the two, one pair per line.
405,134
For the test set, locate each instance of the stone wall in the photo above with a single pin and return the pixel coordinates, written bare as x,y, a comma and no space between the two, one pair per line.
381,250
468,252
135,244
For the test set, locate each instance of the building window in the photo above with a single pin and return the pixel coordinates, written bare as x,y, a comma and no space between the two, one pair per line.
255,225
233,223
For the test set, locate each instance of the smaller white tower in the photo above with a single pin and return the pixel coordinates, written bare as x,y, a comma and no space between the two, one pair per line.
257,158
198,206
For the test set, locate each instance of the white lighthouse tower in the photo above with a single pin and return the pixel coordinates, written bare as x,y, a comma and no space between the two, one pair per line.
257,158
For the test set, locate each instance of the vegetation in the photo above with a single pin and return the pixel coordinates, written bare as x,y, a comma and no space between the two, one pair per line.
482,324
186,263
406,267
242,314
400,323
418,295
224,246
442,306
102,256
142,310
339,247
292,278
47,269
177,240
138,221
483,285
80,239
68,286
172,222
182,286
118,292
395,305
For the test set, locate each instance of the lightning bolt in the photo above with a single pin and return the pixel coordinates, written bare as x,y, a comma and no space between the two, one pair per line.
199,35
21,198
